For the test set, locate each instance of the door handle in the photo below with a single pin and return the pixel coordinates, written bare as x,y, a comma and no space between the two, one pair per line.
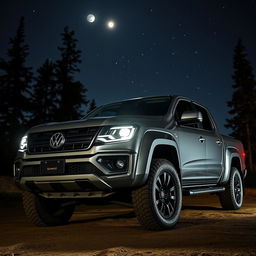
201,139
218,142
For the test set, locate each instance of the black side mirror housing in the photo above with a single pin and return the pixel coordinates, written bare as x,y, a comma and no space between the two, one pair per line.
191,117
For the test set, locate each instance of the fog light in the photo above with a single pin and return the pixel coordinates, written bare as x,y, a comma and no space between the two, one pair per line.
114,164
17,170
120,164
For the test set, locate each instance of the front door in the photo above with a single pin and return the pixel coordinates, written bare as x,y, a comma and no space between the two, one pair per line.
192,149
192,146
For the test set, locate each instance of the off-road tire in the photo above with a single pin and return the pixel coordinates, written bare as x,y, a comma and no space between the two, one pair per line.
232,197
46,212
156,198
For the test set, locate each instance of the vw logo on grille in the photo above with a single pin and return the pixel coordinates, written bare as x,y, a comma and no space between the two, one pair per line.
57,140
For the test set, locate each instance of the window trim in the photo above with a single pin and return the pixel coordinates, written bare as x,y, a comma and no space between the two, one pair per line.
214,128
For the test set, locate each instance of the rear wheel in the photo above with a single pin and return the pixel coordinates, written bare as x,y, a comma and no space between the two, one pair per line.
46,212
232,197
158,203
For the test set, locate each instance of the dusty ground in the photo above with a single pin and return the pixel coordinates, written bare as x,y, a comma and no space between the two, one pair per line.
203,230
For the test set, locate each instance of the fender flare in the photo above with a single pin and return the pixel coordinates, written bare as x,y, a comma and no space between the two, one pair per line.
145,155
155,143
230,153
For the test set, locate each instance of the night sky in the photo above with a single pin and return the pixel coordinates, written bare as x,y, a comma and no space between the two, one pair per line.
156,47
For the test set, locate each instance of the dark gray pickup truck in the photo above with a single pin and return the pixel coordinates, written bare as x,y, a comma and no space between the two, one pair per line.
156,148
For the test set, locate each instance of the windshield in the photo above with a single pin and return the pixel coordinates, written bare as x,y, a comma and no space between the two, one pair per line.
156,106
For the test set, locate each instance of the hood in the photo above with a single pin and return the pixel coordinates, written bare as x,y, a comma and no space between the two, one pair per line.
100,122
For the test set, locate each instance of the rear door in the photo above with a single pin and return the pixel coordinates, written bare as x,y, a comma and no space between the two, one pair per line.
214,147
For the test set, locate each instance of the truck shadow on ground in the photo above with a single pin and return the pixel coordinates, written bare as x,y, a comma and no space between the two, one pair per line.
127,215
200,208
184,221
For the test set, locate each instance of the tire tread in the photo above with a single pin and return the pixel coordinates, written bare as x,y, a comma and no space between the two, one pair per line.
29,205
227,197
141,200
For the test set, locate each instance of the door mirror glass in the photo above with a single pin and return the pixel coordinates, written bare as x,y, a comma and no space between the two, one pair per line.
191,117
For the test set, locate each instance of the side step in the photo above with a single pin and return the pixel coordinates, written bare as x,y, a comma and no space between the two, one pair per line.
203,190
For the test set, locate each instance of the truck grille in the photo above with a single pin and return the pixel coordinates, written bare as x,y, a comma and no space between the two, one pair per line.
75,139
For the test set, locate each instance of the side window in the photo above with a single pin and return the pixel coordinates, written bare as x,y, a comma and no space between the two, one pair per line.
181,108
206,124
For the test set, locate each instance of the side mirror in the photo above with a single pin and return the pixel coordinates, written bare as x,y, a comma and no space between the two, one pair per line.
191,117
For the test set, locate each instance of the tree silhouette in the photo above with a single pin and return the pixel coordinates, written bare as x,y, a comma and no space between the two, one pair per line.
92,105
72,92
45,95
15,79
243,103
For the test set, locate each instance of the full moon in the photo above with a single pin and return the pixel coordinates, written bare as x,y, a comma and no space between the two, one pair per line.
90,18
111,24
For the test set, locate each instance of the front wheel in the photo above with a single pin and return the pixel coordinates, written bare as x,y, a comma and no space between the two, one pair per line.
46,212
232,197
158,203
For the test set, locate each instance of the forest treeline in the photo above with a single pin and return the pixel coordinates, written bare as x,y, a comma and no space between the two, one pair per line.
51,94
54,94
242,108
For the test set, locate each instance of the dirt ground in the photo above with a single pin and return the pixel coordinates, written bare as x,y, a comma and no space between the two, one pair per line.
204,229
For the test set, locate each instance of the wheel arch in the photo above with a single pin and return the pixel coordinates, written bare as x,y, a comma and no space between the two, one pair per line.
168,152
155,144
232,159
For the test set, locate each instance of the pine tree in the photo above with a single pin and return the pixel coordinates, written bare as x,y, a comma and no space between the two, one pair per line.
72,92
243,103
45,94
15,79
92,105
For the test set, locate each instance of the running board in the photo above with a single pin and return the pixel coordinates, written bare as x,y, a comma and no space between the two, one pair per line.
204,190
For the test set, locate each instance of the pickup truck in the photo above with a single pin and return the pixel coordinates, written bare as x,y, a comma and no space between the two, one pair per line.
155,148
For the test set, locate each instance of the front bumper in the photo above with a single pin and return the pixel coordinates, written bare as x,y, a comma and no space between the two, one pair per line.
84,175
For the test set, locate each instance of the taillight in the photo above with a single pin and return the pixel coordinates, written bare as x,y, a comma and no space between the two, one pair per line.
244,155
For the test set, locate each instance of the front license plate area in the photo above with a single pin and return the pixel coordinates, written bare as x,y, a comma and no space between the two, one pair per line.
52,167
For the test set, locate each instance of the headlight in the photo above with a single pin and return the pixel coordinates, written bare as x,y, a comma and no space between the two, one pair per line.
23,143
120,133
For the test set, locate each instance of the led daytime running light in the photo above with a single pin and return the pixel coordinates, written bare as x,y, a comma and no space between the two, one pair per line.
23,143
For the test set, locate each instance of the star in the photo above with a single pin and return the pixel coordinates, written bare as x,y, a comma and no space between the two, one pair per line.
34,11
111,24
